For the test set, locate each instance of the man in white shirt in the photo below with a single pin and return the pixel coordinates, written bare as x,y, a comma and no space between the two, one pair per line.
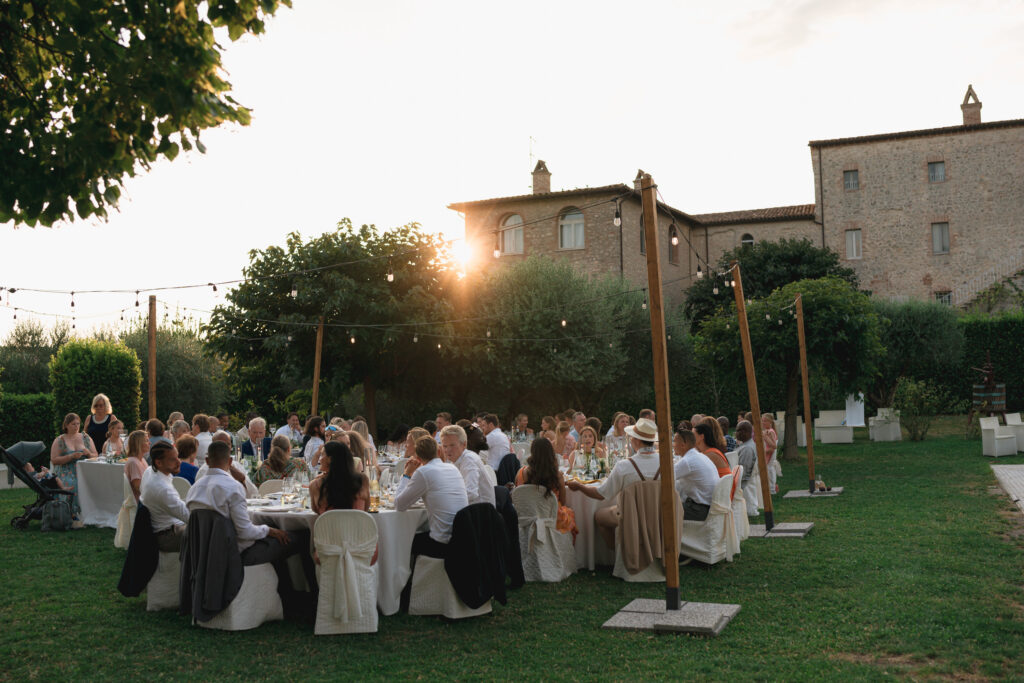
201,430
579,421
498,445
479,488
443,491
644,464
696,476
237,474
443,420
168,513
292,429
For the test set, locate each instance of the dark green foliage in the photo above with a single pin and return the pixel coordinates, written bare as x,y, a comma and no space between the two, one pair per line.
25,356
766,266
86,367
1001,336
187,379
93,91
26,417
918,402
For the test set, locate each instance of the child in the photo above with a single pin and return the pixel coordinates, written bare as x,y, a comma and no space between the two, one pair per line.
45,477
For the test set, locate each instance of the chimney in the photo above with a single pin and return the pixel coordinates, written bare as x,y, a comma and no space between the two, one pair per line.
971,110
541,178
639,179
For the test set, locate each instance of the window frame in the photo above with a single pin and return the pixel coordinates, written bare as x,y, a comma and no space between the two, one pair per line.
744,242
504,229
946,242
580,233
858,234
856,179
937,163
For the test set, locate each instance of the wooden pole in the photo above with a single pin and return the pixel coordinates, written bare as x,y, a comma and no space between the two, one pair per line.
152,356
661,395
808,430
755,404
316,367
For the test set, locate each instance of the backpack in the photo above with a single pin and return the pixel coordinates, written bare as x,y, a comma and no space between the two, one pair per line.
56,515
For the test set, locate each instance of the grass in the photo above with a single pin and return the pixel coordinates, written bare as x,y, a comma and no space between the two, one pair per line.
915,571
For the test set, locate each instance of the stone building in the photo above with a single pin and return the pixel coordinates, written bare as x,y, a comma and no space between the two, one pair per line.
934,213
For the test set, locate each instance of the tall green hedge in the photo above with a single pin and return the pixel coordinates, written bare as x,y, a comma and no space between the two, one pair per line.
26,417
86,367
1003,337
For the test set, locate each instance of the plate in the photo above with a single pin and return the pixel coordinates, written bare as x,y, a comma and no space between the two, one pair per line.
258,502
279,508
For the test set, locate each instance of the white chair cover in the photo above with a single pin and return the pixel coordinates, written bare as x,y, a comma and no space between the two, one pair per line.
181,485
547,553
433,593
345,541
733,458
271,486
385,478
739,506
257,602
125,517
492,476
399,468
714,539
162,589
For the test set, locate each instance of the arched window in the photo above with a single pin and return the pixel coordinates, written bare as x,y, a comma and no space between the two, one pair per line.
512,235
673,244
747,240
570,229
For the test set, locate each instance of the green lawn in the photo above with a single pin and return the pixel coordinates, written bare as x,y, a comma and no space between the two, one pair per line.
915,571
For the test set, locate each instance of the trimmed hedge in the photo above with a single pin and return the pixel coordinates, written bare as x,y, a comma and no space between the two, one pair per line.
26,417
86,367
1003,337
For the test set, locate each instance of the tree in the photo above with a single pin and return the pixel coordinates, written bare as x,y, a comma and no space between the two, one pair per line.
92,91
25,356
86,367
766,267
842,332
922,341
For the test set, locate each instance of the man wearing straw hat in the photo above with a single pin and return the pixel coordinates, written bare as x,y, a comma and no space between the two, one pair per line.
644,464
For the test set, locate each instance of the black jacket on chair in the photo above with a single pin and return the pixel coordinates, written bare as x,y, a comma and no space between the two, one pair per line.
211,566
142,558
475,563
513,555
508,468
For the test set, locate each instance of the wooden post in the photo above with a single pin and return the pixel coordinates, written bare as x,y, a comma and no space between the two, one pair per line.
316,367
660,354
755,404
808,429
152,356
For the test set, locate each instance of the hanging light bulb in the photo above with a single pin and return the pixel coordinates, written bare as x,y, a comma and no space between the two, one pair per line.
391,273
727,326
715,290
767,316
15,313
617,221
780,321
488,334
644,305
675,235
700,273
352,339
73,323
415,338
295,291
497,245
439,347
72,299
564,323
136,298
289,338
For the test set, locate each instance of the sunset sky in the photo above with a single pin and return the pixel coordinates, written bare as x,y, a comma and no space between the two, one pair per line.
385,112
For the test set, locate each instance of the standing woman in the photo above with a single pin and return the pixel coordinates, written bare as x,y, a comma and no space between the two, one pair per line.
771,443
71,446
97,424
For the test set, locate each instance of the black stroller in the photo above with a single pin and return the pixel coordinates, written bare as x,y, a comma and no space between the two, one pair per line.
16,457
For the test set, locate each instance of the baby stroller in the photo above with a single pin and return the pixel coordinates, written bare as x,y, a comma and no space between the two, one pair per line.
16,457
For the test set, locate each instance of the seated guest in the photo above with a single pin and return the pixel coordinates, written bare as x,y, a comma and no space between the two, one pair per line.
279,463
112,447
186,446
644,464
179,429
214,424
359,426
595,424
441,487
172,419
695,419
221,492
746,452
243,433
155,429
618,429
431,428
696,476
591,448
225,421
479,488
708,444
730,443
292,429
548,426
564,442
258,444
579,421
647,414
360,452
167,510
523,424
201,430
313,439
341,487
240,476
442,420
542,470
475,439
135,463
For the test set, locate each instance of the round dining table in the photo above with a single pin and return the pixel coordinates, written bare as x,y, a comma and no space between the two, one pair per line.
591,549
395,531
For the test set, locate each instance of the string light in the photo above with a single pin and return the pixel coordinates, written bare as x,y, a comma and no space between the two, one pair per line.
564,323
352,339
488,333
391,273
700,273
644,305
136,298
617,221
675,235
715,289
497,245
72,299
295,291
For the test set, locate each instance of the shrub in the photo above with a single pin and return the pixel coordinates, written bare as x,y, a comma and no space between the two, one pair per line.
26,417
86,367
918,402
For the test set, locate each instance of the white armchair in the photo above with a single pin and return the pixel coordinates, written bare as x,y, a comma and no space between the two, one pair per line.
1013,422
885,426
830,427
997,440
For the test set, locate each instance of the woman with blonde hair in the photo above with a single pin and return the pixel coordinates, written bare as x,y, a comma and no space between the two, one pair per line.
279,463
590,445
135,463
112,447
548,427
564,442
97,424
361,451
771,443
67,449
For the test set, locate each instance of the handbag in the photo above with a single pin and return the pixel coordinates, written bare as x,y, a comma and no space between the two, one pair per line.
56,515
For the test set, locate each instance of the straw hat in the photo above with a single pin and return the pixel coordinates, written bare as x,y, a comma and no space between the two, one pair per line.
644,429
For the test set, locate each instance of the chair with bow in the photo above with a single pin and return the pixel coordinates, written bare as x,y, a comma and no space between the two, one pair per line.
271,486
125,517
345,541
739,505
752,493
714,539
181,485
547,553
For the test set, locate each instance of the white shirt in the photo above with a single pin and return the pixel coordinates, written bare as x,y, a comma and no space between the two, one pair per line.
204,439
479,488
250,489
696,477
221,493
623,474
312,446
292,434
498,447
166,508
574,434
443,491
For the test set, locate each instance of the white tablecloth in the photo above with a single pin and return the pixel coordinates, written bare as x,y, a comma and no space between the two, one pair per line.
395,531
591,549
100,492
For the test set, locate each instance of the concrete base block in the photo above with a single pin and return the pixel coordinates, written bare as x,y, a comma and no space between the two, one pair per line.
703,618
804,493
782,530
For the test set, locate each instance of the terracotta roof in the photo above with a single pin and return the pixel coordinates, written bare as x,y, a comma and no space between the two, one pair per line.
778,213
948,130
604,189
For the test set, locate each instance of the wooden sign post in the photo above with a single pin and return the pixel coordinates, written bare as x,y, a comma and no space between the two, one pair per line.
316,367
152,357
755,404
661,397
808,429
